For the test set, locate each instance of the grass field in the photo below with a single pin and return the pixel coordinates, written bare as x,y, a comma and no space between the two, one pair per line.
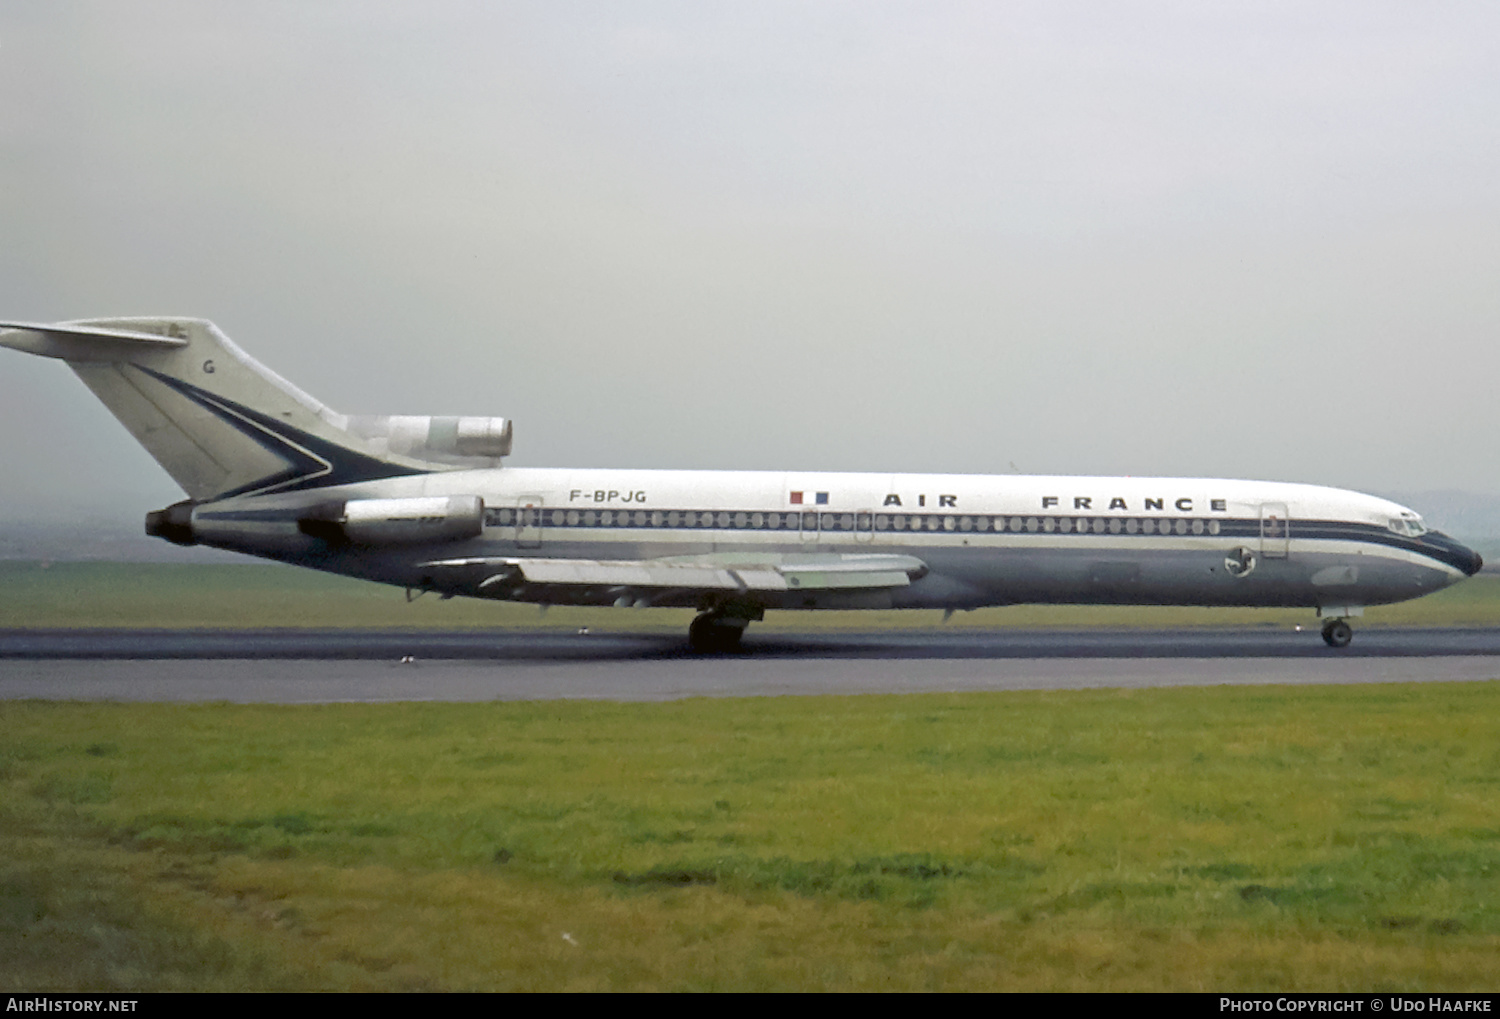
1309,838
270,595
1333,838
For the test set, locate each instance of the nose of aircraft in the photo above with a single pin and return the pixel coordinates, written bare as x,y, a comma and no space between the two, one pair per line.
1458,555
1475,564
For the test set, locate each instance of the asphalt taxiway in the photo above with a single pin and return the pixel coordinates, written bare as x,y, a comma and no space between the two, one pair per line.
323,666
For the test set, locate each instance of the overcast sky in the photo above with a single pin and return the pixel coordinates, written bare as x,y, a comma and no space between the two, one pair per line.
1233,239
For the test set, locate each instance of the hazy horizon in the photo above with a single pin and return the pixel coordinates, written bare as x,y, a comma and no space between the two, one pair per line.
1245,240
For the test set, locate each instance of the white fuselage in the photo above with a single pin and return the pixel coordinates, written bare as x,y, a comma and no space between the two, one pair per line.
986,540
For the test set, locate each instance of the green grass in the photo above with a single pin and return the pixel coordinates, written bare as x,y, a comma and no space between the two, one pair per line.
269,595
1309,838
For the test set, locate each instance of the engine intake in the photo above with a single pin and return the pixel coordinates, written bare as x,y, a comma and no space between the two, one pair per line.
466,441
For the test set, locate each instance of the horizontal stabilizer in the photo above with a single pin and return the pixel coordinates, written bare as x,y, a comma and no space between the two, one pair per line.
79,342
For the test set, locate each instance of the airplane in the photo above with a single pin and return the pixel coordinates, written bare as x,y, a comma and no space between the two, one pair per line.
426,504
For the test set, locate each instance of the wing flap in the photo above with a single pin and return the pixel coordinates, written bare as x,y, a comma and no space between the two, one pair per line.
836,580
764,573
641,573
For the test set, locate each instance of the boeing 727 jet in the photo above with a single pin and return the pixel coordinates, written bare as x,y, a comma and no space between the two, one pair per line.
425,503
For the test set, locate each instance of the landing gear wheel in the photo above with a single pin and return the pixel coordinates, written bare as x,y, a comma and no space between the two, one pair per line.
709,635
1337,633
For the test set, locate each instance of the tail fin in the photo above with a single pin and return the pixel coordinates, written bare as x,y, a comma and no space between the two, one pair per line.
218,421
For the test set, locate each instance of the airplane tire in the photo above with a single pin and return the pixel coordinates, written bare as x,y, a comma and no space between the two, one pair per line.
710,637
1337,633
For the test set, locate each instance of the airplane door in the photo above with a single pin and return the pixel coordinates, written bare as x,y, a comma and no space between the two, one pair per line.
529,521
1275,530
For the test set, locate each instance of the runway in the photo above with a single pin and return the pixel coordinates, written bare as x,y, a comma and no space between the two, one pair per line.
310,666
509,647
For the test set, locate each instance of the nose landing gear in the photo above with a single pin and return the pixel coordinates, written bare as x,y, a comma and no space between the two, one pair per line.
1337,633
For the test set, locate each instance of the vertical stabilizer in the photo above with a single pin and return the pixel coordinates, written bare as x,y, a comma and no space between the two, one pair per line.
218,421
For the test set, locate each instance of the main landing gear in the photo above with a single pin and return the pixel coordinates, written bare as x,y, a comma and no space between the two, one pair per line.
1337,633
718,628
712,634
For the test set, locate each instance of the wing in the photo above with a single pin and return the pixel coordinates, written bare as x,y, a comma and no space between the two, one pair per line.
771,579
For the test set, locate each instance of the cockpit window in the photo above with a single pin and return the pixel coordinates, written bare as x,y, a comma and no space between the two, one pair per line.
1409,525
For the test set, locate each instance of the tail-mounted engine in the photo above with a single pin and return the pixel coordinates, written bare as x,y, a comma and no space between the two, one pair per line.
460,441
175,523
396,521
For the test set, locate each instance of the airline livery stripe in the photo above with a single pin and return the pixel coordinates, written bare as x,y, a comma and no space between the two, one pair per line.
1015,527
1022,527
313,462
